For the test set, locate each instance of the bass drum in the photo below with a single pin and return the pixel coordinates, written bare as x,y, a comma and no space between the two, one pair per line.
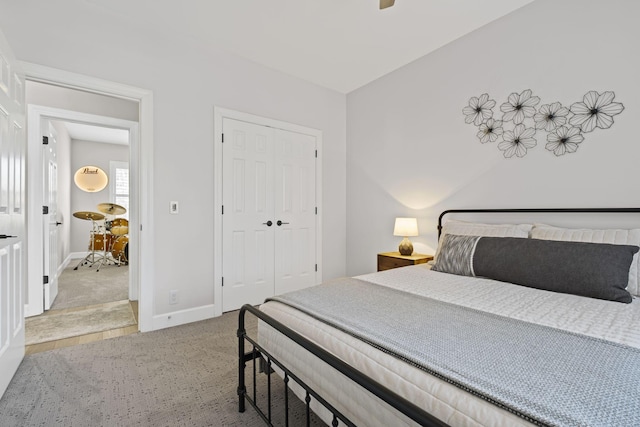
120,249
101,242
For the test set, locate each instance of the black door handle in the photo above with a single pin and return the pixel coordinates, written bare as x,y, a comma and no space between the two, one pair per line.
280,223
58,223
6,236
268,223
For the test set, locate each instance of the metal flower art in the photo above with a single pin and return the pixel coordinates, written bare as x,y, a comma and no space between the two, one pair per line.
595,110
564,140
565,127
479,109
519,107
518,141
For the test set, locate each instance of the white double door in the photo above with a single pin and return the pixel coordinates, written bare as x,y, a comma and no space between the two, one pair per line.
269,212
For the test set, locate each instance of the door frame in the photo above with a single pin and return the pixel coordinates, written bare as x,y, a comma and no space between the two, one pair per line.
219,114
142,178
37,115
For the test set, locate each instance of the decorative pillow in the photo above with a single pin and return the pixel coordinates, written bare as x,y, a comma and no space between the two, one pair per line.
588,269
464,228
612,236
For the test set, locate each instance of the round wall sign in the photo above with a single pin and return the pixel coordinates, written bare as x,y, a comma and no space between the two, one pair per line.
91,179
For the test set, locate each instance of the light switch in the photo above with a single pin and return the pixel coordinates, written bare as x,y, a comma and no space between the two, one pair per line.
173,207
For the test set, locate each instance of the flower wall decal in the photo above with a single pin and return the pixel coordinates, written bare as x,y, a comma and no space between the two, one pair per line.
564,140
519,107
551,116
490,131
595,110
479,109
518,141
521,121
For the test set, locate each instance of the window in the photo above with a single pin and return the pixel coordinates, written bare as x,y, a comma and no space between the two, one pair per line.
119,185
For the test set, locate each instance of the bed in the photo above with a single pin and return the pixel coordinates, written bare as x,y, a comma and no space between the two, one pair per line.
479,338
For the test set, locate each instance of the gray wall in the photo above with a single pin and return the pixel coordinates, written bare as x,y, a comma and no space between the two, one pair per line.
99,154
410,152
187,80
81,101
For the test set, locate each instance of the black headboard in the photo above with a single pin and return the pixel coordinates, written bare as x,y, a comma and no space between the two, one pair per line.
535,210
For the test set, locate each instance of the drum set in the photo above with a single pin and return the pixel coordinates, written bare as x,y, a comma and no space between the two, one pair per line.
108,237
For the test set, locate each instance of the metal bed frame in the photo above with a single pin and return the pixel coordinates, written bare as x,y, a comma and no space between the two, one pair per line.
263,360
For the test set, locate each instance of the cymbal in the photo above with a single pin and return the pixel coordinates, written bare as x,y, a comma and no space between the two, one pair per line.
94,216
111,209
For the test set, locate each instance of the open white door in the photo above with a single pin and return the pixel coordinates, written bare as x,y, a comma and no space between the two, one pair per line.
12,215
50,213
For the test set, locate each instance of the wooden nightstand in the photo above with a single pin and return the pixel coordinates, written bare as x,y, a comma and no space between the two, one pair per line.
389,260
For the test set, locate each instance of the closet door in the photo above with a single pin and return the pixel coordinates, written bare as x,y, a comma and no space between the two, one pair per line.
269,217
295,211
248,239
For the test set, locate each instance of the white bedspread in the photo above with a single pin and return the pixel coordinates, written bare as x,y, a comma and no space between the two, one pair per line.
613,321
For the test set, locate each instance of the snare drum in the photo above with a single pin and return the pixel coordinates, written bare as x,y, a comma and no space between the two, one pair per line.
97,242
120,249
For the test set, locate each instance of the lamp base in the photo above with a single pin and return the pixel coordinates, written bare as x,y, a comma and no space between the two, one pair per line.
406,247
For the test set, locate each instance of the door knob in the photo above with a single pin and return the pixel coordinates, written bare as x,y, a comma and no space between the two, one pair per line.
280,223
268,223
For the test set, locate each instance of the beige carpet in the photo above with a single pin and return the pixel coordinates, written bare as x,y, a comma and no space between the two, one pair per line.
59,324
86,286
180,376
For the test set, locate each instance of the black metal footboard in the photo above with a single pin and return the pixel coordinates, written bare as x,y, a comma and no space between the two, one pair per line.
402,405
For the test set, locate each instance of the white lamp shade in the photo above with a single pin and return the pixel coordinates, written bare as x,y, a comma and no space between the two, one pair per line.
90,179
406,227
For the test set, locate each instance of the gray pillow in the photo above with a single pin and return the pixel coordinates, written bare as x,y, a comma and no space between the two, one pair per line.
596,270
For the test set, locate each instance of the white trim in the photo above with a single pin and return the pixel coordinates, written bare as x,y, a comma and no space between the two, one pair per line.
218,115
114,165
182,317
142,180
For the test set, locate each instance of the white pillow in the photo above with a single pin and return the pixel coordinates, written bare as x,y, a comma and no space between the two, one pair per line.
464,228
612,236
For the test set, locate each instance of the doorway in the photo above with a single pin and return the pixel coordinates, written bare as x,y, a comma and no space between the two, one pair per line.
142,254
70,140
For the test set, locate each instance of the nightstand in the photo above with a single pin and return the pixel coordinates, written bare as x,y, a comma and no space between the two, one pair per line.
389,260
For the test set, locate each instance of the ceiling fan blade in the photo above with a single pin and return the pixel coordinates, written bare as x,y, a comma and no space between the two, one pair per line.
386,3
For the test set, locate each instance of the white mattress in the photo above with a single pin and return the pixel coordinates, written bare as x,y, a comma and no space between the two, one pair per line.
612,321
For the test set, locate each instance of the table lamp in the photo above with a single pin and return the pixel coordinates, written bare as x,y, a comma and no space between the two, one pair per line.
405,227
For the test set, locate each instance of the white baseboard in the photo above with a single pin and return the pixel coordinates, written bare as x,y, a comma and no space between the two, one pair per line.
64,265
182,317
77,255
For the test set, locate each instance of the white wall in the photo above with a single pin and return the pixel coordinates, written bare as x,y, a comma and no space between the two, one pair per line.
410,152
81,101
187,80
99,154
